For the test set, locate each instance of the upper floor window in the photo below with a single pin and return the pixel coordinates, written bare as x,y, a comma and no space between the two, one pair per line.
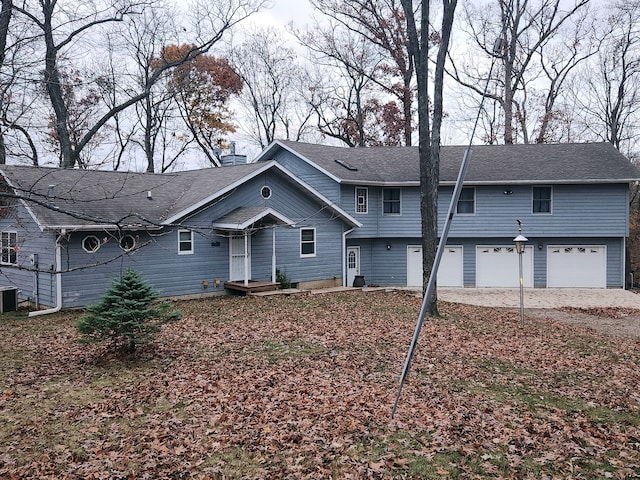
391,201
10,248
541,199
307,242
467,201
185,242
362,200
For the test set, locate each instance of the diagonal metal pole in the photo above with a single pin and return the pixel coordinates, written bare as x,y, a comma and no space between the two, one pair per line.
447,225
432,277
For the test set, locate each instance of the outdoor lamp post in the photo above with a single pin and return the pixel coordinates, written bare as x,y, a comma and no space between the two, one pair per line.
520,241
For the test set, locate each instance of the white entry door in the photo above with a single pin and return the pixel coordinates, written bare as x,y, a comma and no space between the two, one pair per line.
353,264
580,266
450,271
239,250
498,266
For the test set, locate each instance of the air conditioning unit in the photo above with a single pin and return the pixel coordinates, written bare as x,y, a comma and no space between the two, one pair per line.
8,299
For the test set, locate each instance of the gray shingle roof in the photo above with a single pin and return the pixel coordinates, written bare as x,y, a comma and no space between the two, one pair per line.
86,198
489,164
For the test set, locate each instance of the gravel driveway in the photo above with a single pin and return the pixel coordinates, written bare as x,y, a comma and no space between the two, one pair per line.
542,297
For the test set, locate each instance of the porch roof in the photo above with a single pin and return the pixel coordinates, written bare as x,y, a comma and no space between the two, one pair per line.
243,218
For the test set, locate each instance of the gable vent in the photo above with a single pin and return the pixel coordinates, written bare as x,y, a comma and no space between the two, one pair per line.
346,165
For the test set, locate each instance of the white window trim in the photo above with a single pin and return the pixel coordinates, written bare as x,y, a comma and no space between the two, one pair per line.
474,202
98,243
366,200
9,248
550,199
268,189
315,243
133,245
399,201
185,252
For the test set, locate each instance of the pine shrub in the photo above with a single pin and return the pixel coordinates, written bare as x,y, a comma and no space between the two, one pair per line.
129,314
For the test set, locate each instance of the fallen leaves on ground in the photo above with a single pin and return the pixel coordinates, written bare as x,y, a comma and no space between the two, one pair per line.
302,387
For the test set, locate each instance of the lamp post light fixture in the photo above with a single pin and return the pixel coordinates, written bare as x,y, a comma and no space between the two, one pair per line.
520,241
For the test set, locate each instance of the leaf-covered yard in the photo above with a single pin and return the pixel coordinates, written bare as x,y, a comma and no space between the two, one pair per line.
302,387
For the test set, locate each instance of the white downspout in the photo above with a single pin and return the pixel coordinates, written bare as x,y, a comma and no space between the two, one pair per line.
344,256
58,268
246,260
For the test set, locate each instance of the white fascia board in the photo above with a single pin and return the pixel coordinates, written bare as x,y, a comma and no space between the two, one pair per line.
320,197
108,226
265,154
542,182
247,223
202,203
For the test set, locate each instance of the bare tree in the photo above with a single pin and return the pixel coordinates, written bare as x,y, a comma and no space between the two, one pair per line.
345,102
63,26
612,85
383,24
521,29
271,75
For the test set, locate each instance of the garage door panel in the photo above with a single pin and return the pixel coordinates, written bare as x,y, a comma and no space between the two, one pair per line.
498,267
450,271
577,266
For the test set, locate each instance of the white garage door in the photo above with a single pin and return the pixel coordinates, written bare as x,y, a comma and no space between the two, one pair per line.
449,272
577,266
499,267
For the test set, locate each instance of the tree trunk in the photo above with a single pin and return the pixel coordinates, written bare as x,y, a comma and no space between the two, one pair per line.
54,90
5,18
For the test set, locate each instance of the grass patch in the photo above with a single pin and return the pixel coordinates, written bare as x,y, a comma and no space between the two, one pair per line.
291,350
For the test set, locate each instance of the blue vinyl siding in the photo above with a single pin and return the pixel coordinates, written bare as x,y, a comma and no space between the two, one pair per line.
309,175
580,210
30,240
577,210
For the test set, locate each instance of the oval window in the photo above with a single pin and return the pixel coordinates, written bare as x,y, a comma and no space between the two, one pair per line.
265,192
128,242
90,244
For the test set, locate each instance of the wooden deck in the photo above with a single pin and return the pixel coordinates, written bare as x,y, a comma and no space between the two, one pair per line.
252,287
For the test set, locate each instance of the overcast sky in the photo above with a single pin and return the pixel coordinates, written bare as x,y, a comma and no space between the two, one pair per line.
285,11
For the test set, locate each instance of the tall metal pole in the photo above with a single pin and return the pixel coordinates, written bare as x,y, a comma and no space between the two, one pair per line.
521,288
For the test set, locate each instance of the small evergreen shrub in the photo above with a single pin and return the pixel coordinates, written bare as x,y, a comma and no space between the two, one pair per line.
127,315
282,279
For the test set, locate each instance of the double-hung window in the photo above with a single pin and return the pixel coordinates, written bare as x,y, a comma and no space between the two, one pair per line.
307,242
541,199
362,200
467,201
9,248
391,201
185,242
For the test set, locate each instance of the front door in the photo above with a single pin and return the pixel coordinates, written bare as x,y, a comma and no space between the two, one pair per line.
240,257
353,264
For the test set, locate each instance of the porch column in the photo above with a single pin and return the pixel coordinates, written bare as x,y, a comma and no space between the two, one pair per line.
246,259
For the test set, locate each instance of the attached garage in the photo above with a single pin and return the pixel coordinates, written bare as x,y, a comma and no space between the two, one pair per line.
498,267
580,266
450,270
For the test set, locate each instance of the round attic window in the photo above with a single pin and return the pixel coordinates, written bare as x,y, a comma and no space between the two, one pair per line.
128,242
90,244
265,192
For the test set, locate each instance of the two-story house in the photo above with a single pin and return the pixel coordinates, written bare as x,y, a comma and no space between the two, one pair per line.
573,200
322,215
